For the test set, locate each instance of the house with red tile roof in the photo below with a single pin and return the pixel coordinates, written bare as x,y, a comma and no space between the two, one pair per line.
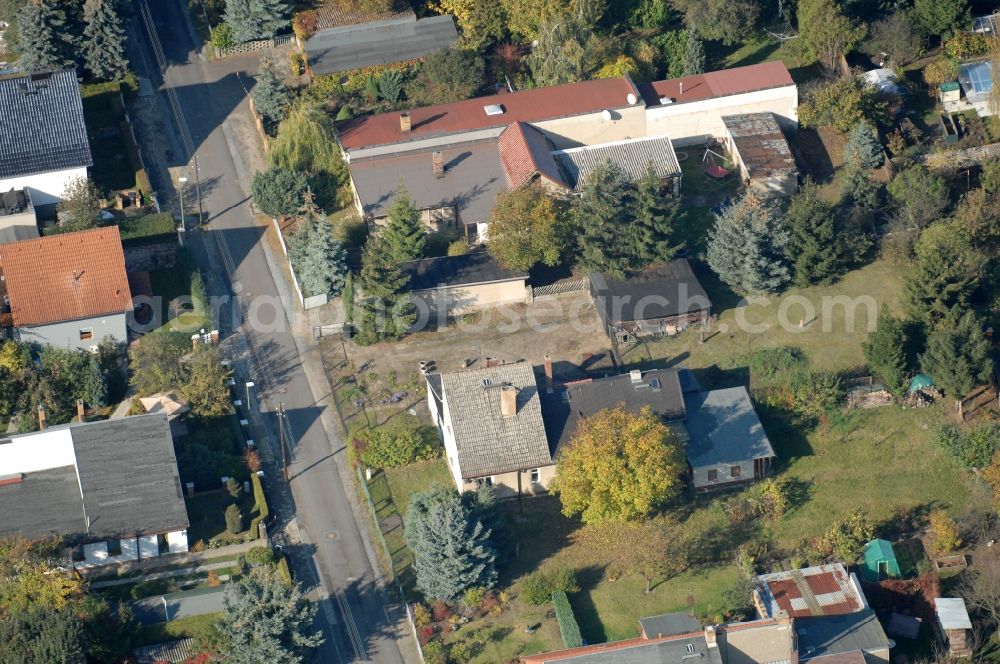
68,290
454,159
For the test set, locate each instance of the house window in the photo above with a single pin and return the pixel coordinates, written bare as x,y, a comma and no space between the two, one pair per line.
114,547
735,471
86,333
536,475
488,481
713,475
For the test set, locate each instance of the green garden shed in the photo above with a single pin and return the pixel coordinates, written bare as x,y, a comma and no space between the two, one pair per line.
879,562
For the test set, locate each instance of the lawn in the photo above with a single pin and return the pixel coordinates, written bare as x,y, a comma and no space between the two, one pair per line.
766,49
195,627
187,314
116,157
206,512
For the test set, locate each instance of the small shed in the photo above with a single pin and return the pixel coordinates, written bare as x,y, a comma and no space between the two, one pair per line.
879,562
953,625
950,91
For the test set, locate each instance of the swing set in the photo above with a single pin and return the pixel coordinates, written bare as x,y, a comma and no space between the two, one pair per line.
711,166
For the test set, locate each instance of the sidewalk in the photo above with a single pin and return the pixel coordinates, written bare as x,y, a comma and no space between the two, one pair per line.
172,560
184,571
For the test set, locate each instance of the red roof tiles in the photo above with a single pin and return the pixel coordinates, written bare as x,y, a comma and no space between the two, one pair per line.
524,153
523,106
66,277
720,83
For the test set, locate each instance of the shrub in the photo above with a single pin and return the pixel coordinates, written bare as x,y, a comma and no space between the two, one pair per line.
253,460
434,653
458,248
261,555
846,538
473,597
234,519
260,502
815,393
568,627
152,587
213,579
973,448
304,24
771,362
421,615
222,37
396,445
426,633
296,63
441,611
234,487
537,587
944,534
284,571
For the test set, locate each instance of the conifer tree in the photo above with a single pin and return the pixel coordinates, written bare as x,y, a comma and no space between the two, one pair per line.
862,151
386,309
256,19
46,41
958,356
651,231
404,237
885,352
946,272
104,41
320,261
270,96
746,246
694,55
451,551
95,387
602,214
279,191
818,246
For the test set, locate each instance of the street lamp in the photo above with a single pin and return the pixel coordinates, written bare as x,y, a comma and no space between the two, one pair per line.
249,385
183,181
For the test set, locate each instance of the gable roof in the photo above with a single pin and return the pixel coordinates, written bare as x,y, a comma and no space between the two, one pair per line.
489,443
659,291
473,177
532,105
563,407
525,153
721,83
64,277
724,429
839,635
678,649
41,124
633,156
121,478
822,590
476,267
668,624
378,43
951,613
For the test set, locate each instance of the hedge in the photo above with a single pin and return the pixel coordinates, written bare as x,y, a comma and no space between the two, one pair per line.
567,621
148,229
284,571
260,501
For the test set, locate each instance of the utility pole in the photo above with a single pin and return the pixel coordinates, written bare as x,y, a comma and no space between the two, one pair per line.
183,181
281,439
197,184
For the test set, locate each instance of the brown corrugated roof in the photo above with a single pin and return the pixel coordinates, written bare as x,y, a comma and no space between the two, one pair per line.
824,590
66,277
525,153
720,83
523,106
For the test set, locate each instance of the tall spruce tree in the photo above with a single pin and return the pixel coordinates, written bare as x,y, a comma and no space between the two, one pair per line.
265,621
386,311
746,246
602,214
862,151
256,19
46,33
652,228
885,352
451,551
104,41
818,246
694,55
320,261
270,96
404,237
958,356
947,270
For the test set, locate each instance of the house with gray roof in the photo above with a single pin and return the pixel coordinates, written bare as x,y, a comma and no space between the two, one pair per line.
490,420
109,488
726,445
43,136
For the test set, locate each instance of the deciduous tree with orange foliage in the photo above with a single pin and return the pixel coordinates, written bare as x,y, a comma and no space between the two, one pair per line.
619,466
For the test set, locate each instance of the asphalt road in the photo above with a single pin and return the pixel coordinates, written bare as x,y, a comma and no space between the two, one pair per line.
200,96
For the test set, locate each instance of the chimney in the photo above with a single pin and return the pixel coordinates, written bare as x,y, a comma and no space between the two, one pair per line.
508,401
79,409
492,362
711,637
41,417
635,376
437,163
548,371
681,83
404,122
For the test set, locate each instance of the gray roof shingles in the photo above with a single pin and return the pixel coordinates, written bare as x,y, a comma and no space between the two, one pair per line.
724,428
669,651
669,624
43,503
489,443
41,125
660,291
831,635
